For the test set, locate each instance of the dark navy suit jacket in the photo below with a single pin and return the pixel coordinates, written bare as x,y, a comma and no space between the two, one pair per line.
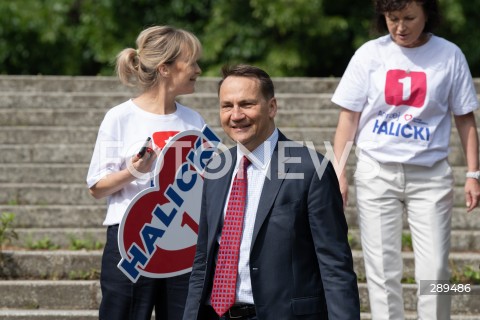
301,264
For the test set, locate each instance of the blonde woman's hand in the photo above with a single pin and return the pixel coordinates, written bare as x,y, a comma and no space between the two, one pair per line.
139,166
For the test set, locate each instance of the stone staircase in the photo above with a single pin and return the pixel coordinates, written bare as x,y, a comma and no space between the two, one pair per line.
48,127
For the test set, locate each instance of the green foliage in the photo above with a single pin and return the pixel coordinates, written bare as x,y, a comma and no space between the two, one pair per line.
407,242
85,244
469,274
43,244
12,202
287,37
92,274
472,274
7,233
409,280
461,26
352,241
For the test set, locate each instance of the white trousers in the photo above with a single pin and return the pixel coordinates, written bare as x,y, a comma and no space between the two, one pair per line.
426,195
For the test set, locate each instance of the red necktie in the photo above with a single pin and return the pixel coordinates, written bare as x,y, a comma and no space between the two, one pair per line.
225,279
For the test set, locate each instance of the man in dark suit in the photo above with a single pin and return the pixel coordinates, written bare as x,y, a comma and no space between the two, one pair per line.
293,260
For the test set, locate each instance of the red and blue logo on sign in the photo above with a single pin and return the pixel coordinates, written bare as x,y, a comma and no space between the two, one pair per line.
158,233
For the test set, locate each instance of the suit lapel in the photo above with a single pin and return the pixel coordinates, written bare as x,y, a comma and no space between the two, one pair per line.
219,191
270,189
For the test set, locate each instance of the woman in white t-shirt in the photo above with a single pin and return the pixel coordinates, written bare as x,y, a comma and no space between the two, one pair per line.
163,66
397,96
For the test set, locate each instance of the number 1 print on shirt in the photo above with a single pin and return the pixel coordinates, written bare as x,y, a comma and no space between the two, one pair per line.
404,88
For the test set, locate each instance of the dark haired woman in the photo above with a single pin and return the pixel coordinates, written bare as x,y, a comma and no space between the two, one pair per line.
397,97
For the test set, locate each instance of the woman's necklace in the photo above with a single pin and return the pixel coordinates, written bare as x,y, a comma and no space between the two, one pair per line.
425,37
408,52
412,60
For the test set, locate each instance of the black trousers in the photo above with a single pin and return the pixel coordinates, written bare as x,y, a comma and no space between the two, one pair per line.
207,313
125,300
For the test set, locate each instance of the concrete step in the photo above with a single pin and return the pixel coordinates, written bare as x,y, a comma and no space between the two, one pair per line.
22,314
62,238
460,263
52,108
107,99
71,153
77,194
461,240
92,216
413,316
64,135
67,238
462,305
323,118
47,135
56,216
461,220
32,83
46,194
50,294
50,264
459,198
43,173
85,264
77,118
81,153
41,84
93,315
76,173
85,295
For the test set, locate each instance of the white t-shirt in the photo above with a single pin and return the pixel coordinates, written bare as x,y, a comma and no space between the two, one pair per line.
406,97
121,135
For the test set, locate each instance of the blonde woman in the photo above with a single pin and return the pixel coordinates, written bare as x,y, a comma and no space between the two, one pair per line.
163,66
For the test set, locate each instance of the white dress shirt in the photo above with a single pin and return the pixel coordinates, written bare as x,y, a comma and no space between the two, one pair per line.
256,173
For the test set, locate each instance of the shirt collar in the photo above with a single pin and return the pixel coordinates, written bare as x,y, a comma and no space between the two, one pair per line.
261,156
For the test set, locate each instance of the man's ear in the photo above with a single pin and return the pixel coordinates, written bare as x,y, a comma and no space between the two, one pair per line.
272,107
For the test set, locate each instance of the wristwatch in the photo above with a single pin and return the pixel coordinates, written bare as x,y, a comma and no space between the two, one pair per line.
473,174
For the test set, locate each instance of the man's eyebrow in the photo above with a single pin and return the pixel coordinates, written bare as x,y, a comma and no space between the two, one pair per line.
243,101
252,100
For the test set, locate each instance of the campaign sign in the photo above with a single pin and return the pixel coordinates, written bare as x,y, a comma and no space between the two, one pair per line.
158,233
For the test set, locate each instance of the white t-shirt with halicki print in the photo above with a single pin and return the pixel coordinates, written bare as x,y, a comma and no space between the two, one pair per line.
122,133
406,97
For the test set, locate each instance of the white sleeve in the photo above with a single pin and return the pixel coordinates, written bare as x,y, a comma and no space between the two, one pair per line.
107,157
352,91
463,97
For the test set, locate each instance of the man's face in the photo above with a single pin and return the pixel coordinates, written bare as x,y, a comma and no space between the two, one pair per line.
245,114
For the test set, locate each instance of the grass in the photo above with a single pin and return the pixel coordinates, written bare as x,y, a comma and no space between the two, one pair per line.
85,244
469,274
75,244
43,244
92,274
7,233
407,242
